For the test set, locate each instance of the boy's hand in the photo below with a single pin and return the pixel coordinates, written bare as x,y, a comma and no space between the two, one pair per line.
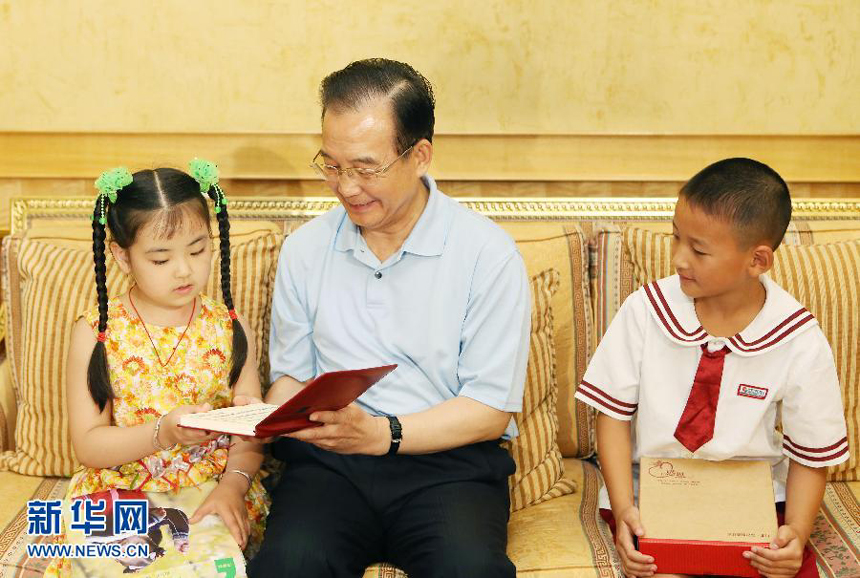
635,563
782,559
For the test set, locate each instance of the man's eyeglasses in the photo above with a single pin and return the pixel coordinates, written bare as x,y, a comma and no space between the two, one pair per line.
332,173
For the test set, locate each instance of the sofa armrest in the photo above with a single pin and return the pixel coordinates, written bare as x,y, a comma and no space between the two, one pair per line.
2,327
8,407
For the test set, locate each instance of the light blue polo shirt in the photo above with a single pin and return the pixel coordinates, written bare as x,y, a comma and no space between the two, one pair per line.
451,308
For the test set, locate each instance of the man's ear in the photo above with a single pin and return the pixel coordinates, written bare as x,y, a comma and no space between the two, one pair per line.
423,153
761,259
120,255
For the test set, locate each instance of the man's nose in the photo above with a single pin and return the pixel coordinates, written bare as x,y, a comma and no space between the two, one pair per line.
347,186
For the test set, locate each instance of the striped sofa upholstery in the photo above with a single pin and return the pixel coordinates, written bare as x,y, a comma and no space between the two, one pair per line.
538,476
583,243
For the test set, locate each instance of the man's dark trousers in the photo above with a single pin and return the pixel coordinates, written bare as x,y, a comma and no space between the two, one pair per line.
442,514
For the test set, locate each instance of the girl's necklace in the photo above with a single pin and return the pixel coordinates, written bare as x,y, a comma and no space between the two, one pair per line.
181,337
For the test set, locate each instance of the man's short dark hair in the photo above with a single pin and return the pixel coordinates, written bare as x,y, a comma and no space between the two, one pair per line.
748,194
410,93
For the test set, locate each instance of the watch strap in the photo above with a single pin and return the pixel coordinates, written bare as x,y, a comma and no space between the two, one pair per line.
396,434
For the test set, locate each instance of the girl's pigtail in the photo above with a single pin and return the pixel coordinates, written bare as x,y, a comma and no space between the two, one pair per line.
98,378
240,340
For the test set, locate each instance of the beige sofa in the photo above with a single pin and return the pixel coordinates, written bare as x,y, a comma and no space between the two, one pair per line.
598,251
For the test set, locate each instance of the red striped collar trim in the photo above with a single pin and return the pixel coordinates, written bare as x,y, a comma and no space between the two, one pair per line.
675,329
779,333
767,335
742,346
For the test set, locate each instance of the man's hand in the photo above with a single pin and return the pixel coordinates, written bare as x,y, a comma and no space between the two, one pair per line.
783,558
350,430
635,563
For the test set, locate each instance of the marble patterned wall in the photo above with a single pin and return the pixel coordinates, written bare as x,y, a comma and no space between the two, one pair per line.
499,67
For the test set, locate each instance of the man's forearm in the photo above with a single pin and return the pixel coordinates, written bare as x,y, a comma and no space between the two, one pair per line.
804,490
454,423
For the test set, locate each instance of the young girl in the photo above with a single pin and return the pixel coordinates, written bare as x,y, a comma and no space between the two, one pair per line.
140,361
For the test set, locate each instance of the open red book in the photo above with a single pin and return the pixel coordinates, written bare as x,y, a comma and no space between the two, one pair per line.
328,392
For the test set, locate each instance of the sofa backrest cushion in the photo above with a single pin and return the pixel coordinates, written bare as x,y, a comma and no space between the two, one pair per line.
48,282
538,476
562,246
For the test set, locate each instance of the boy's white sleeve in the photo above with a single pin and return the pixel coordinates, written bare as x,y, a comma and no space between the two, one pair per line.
611,382
813,420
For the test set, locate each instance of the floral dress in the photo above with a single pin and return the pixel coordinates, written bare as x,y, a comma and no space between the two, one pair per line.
144,390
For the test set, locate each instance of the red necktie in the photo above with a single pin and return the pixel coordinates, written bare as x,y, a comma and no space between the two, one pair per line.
696,427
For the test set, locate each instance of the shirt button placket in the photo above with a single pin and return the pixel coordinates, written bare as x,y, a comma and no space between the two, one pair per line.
374,289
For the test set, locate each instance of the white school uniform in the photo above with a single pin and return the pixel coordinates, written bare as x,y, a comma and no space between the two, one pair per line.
644,367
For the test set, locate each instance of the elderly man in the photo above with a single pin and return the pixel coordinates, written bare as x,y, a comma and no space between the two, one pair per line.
412,472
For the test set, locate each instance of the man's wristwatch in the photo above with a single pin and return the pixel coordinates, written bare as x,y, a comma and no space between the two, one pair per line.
396,434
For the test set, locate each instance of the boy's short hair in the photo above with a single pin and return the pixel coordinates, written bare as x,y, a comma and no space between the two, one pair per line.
748,194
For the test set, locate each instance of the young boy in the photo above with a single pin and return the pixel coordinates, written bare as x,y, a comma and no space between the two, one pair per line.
699,361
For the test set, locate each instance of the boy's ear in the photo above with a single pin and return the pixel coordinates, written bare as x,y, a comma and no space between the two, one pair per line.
761,259
120,255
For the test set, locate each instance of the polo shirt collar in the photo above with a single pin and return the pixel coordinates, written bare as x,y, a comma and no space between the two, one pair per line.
348,237
427,237
780,320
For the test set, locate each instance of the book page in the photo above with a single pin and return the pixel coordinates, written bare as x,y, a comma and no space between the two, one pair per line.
238,420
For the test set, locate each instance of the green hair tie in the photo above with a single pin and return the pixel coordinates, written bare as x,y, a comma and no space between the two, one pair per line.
109,184
206,175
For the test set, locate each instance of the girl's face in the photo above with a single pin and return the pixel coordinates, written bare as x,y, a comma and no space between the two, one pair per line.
169,272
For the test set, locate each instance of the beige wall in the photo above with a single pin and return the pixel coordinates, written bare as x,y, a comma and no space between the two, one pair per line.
509,67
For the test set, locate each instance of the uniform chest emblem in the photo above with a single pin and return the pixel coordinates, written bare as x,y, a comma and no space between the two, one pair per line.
752,391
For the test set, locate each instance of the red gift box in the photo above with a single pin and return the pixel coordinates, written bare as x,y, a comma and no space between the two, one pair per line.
700,516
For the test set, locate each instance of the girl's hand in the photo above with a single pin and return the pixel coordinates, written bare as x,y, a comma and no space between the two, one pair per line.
227,500
248,400
635,563
172,434
784,557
